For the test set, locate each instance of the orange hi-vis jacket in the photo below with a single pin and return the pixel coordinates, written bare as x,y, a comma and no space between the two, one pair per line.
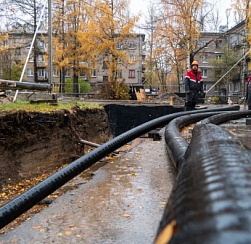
193,81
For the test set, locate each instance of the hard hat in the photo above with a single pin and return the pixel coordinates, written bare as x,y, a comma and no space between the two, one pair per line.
195,63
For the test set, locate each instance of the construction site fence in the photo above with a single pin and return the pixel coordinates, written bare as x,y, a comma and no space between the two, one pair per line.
94,89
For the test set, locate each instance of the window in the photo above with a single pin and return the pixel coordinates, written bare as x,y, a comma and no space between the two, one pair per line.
94,73
40,44
218,43
119,74
231,41
43,73
132,59
82,74
55,73
18,51
107,50
204,73
218,57
105,65
204,87
30,44
203,44
132,45
131,73
105,78
40,58
204,58
29,72
119,45
229,87
236,87
5,43
31,59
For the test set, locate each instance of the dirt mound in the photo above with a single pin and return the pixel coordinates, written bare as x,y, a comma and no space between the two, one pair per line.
6,100
31,143
165,98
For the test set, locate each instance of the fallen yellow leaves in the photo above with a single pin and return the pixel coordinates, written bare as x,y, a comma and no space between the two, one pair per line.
34,227
59,234
126,215
68,232
133,174
167,233
14,240
78,236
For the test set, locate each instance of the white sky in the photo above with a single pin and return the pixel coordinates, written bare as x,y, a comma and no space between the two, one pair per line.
141,6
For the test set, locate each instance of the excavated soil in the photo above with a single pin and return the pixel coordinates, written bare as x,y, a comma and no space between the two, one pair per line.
34,143
165,98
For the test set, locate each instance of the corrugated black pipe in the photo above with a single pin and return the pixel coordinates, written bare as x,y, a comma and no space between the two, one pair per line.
211,200
176,144
221,118
22,203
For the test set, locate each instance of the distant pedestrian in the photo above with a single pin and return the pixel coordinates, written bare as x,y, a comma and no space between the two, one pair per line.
248,95
193,86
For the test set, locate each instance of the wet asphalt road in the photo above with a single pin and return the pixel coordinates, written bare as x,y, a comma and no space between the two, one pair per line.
123,203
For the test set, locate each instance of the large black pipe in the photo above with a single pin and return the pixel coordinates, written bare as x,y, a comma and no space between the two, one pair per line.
211,200
221,118
176,144
22,203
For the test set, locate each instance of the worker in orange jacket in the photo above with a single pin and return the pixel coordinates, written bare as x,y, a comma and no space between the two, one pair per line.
193,86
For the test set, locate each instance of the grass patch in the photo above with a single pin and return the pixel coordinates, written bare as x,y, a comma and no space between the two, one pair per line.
42,107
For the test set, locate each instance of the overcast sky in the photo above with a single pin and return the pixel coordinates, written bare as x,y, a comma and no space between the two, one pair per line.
141,6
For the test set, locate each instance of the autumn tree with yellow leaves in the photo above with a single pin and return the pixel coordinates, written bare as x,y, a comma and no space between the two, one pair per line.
178,31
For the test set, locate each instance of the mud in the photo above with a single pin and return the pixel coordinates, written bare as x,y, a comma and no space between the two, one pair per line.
165,98
34,143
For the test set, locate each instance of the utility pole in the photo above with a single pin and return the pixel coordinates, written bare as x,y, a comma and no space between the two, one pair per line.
140,59
50,42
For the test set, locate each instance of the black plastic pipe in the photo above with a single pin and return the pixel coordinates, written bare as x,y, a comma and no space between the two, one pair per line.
221,118
25,201
176,144
211,200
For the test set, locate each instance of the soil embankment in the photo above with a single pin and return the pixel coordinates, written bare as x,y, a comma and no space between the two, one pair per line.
34,143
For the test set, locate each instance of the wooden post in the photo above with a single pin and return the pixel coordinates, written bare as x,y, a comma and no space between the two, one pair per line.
171,101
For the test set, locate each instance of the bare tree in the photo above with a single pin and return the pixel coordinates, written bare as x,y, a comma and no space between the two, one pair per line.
27,15
215,20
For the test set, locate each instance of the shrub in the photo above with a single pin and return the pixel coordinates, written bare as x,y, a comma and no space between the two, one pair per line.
115,89
84,86
215,99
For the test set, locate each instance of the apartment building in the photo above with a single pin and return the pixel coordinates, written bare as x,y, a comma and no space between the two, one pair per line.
207,54
234,38
133,46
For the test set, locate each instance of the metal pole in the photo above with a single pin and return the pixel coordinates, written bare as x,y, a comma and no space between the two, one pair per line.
140,59
50,65
32,43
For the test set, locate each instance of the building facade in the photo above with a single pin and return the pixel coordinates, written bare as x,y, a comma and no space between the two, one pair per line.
131,73
232,39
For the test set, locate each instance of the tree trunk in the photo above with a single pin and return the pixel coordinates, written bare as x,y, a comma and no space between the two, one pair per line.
75,81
